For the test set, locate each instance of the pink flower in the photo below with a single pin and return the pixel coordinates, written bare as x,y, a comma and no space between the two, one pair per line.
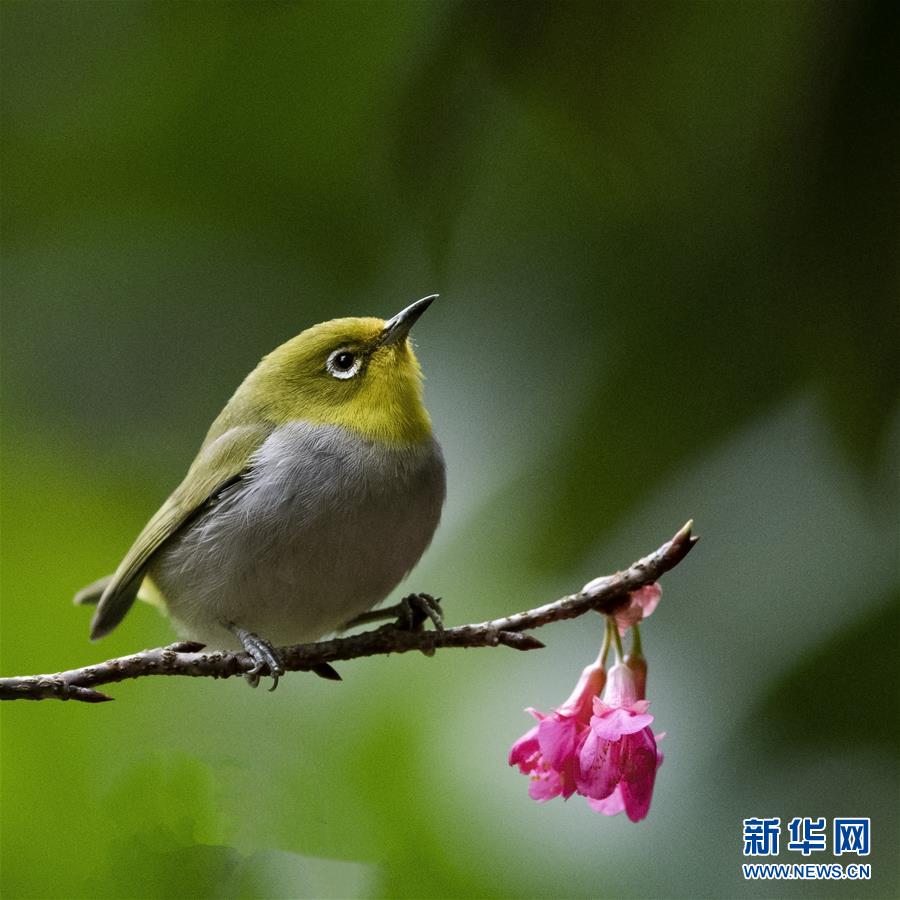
600,747
549,752
641,604
618,759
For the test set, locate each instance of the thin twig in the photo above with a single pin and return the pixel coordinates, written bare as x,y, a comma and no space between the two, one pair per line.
603,595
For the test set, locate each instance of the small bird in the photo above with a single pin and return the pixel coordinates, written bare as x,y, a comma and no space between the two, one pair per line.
316,490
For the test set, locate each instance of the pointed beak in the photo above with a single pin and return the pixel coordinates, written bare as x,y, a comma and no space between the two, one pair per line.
397,328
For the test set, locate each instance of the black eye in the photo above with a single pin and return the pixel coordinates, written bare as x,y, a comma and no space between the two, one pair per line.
343,363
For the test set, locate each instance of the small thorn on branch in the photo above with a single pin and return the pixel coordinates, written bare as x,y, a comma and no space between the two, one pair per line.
185,647
519,641
326,671
87,695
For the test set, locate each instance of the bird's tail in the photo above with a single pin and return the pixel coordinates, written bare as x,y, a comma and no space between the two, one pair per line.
90,595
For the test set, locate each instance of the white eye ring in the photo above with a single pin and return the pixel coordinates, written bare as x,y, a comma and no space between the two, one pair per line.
339,366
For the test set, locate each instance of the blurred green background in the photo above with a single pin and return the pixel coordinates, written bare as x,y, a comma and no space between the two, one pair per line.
665,239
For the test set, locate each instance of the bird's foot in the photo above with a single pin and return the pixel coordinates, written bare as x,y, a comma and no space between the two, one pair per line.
409,614
264,656
413,610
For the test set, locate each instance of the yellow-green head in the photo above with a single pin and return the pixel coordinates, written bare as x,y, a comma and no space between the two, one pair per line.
357,373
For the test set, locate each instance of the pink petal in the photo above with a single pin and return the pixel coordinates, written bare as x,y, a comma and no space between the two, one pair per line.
598,770
647,597
612,726
641,604
609,806
523,751
545,786
637,797
636,800
639,754
639,764
628,616
558,736
567,781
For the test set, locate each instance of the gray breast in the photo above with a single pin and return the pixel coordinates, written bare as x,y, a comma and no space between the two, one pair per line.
323,527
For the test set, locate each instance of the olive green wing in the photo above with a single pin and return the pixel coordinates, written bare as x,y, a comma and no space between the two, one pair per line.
221,462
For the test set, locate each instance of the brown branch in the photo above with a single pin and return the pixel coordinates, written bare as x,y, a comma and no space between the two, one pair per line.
603,595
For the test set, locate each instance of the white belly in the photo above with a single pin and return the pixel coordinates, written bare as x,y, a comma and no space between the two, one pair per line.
323,528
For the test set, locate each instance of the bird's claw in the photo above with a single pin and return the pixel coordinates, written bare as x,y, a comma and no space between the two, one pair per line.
265,658
414,609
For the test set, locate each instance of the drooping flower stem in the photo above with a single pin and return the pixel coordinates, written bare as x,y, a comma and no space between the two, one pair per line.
636,647
607,637
617,641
